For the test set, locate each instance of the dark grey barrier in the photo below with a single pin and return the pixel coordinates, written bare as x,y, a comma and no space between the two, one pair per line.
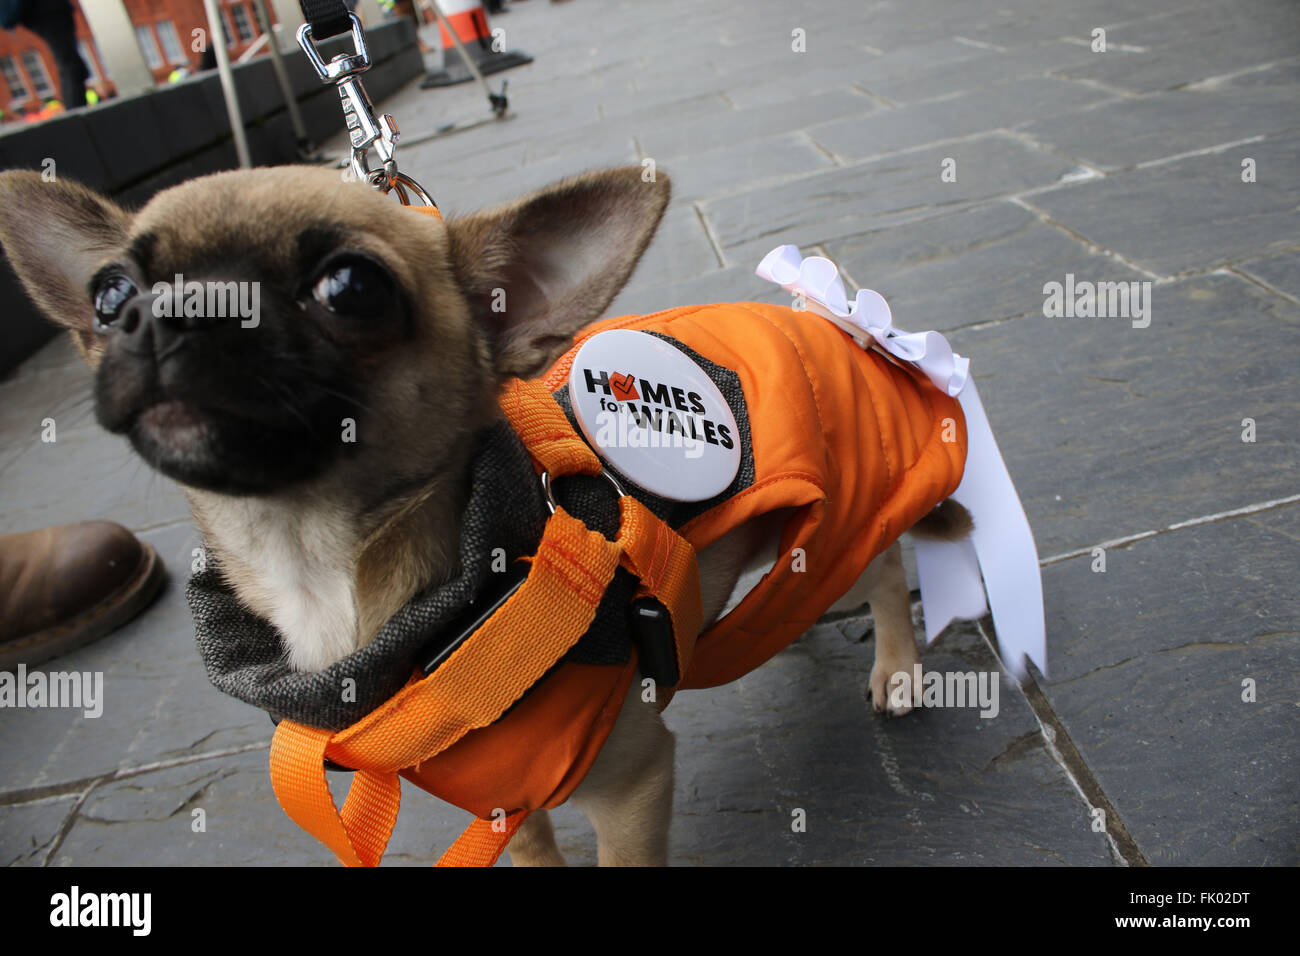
132,147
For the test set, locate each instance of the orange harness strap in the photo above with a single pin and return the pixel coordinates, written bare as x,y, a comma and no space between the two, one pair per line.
539,421
482,843
433,211
494,668
359,835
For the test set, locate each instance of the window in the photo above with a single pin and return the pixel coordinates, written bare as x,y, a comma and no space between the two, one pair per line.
149,47
89,60
239,15
36,70
225,28
17,88
171,43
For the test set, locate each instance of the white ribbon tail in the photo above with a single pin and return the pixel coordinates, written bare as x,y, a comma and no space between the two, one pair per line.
1003,544
951,586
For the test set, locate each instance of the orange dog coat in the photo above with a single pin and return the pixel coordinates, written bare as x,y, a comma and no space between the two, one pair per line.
859,446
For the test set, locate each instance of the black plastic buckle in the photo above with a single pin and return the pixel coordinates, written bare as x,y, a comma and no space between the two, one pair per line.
652,632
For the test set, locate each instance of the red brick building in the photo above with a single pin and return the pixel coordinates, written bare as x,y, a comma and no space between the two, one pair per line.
164,29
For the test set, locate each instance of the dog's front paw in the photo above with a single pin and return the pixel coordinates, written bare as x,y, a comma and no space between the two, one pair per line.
892,689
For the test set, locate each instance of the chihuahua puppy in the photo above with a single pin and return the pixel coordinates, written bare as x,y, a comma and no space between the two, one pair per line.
368,312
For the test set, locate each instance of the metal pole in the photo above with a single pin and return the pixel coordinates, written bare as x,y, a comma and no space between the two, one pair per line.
115,36
469,60
282,74
217,37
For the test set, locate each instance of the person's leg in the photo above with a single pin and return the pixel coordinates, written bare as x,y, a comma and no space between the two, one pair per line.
52,21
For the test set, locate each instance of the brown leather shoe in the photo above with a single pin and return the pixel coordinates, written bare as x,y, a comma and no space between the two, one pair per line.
61,588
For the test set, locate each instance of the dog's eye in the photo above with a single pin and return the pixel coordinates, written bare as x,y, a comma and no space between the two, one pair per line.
356,288
111,294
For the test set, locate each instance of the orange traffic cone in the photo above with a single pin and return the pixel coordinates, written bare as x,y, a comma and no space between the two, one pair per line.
469,21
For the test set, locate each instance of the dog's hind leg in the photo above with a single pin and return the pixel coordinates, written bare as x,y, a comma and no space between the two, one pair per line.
534,842
628,795
884,585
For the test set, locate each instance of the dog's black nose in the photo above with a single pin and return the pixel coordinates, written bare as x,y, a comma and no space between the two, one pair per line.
130,318
147,326
134,326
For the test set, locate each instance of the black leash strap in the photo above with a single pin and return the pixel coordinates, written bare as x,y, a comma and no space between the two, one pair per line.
327,18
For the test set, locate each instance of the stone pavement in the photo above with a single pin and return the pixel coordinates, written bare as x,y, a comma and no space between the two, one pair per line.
1169,158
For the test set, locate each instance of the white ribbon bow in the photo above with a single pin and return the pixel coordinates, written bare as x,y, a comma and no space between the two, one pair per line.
1001,549
818,282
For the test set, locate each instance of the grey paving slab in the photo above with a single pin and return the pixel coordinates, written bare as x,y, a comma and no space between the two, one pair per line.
1008,24
461,191
57,355
977,265
1207,215
1280,272
53,384
786,78
533,118
757,126
85,474
937,786
680,250
1206,40
735,284
1125,132
1110,430
28,831
782,71
1279,73
925,50
980,110
625,126
1149,661
719,170
762,89
158,704
151,820
441,157
953,67
855,199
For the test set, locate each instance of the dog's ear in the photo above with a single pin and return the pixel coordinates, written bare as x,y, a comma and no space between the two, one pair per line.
55,235
537,271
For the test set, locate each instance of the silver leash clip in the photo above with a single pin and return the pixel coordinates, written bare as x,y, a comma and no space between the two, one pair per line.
366,131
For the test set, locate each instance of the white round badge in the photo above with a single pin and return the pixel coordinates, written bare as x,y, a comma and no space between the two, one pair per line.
654,415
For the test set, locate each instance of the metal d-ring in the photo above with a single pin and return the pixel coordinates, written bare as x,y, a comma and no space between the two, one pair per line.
548,484
405,187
